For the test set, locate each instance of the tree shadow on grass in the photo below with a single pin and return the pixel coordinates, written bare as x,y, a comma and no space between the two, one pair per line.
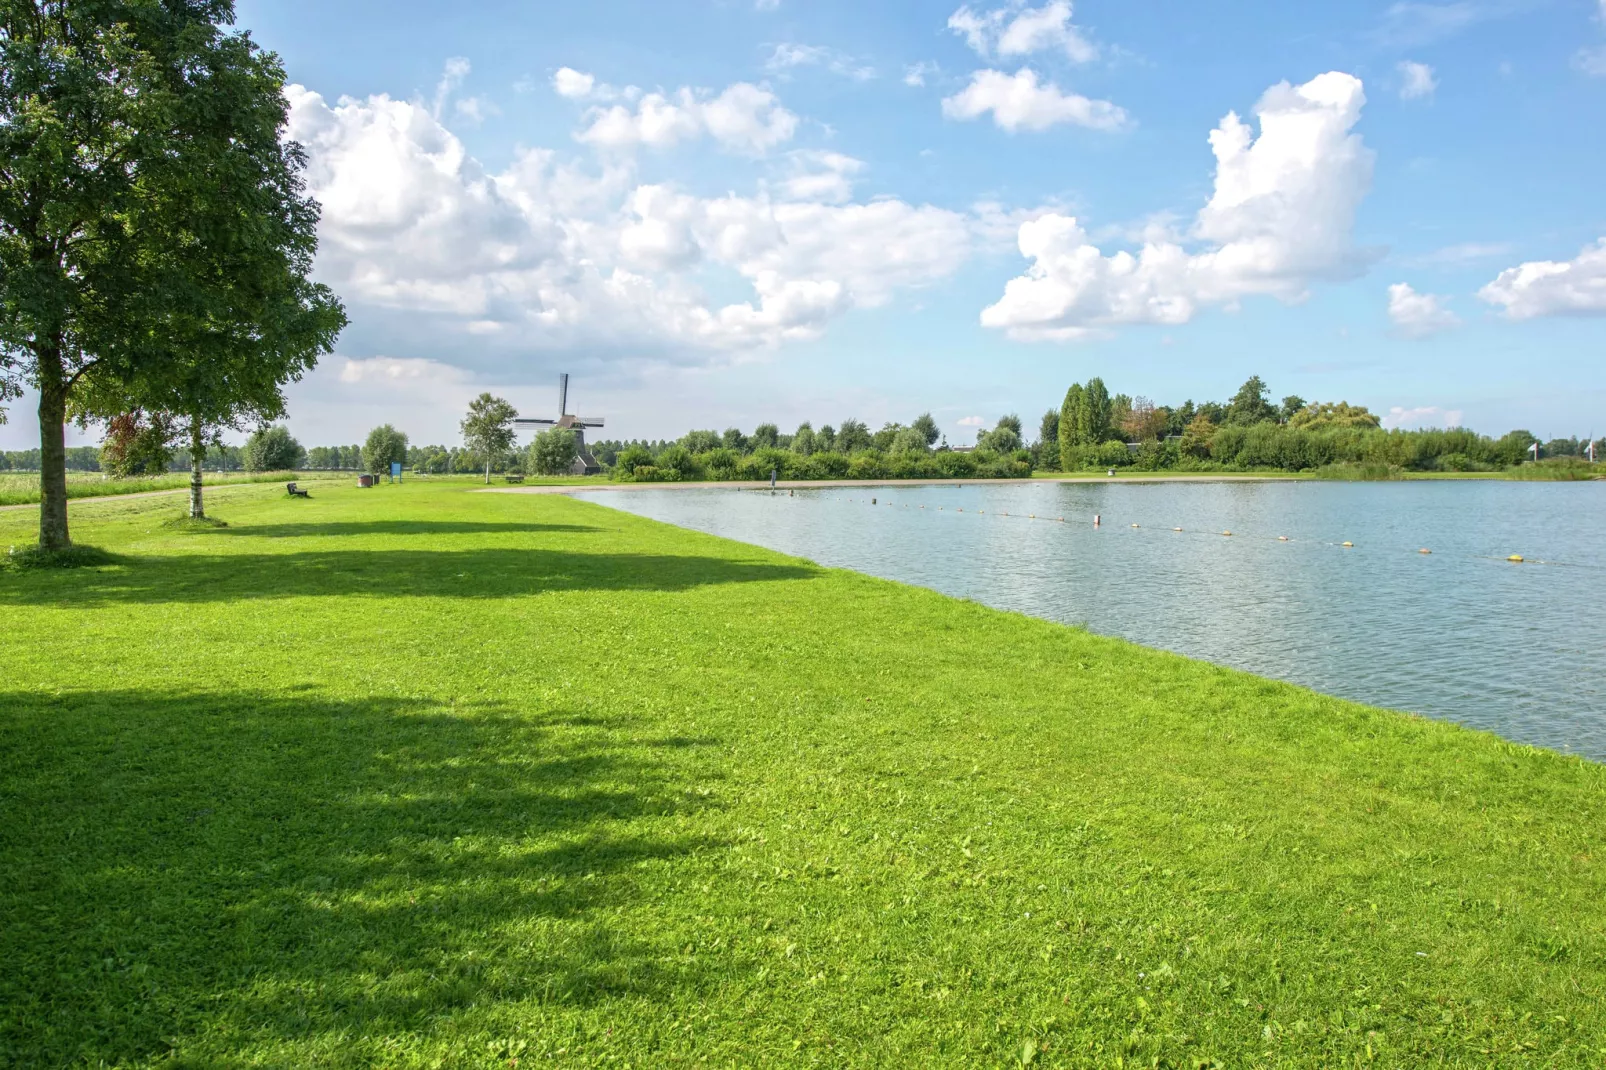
473,573
202,874
398,527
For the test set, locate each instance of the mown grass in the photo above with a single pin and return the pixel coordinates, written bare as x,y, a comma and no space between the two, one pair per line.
22,488
420,777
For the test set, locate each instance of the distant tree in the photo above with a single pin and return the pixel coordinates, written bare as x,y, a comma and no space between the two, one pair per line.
488,429
1072,425
1143,421
733,439
271,449
852,436
1249,404
1513,446
927,427
908,440
1328,414
385,445
701,441
1213,411
1197,436
766,437
1179,418
1098,412
1120,413
137,444
803,441
553,451
1004,438
825,440
1291,404
632,457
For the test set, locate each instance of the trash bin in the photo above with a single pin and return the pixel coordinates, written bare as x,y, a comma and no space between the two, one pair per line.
365,480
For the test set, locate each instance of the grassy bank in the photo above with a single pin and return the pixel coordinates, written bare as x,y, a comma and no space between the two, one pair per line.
420,777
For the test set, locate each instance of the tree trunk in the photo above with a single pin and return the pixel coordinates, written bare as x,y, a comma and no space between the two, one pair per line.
197,459
52,450
487,472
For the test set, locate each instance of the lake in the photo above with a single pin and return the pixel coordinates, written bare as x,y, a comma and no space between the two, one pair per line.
1461,633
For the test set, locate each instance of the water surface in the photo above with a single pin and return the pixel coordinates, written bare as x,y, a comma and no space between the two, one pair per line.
1460,633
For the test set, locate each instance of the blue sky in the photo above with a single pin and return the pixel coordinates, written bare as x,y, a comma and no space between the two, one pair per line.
717,213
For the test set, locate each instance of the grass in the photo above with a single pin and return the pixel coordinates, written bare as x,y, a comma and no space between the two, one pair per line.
22,488
417,777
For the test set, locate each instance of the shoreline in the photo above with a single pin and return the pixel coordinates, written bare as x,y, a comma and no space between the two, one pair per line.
841,484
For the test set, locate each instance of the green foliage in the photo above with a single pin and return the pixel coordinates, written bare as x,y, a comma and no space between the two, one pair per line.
271,449
488,429
385,446
1072,425
701,441
1328,414
1250,405
926,427
553,451
853,436
765,437
137,444
803,440
630,459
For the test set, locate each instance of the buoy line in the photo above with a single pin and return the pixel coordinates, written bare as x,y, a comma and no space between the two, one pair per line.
1097,525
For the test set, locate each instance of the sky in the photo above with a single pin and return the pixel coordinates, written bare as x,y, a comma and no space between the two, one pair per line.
717,213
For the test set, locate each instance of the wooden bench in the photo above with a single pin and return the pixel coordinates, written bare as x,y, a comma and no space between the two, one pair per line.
296,492
514,479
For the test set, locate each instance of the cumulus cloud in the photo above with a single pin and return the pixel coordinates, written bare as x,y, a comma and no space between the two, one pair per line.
1280,218
549,255
1552,288
1592,61
1017,30
821,176
1416,80
403,373
1422,416
743,117
1418,315
970,421
1019,102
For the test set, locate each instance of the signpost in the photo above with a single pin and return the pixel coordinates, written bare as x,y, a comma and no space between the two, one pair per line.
395,471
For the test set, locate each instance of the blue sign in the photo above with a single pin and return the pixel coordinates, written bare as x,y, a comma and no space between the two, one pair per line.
395,470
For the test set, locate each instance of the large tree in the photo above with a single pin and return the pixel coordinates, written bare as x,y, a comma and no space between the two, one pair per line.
488,429
1072,424
143,187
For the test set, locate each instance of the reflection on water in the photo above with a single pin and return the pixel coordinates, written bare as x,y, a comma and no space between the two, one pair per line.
1459,633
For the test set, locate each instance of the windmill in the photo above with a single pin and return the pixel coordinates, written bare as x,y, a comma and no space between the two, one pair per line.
584,463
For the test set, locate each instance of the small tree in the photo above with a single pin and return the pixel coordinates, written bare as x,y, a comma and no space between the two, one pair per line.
136,444
488,429
1072,425
553,451
385,446
927,428
803,442
1250,405
271,449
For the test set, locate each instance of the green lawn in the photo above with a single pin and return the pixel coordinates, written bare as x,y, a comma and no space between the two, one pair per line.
418,777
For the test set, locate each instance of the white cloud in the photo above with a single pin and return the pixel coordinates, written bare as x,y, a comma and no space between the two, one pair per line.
1422,416
404,373
549,256
766,5
1017,101
1418,315
1416,80
821,176
1280,218
743,118
1020,31
573,84
915,74
970,421
1551,288
1592,61
787,56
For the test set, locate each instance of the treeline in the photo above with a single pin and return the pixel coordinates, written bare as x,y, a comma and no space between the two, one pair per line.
1093,429
916,450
